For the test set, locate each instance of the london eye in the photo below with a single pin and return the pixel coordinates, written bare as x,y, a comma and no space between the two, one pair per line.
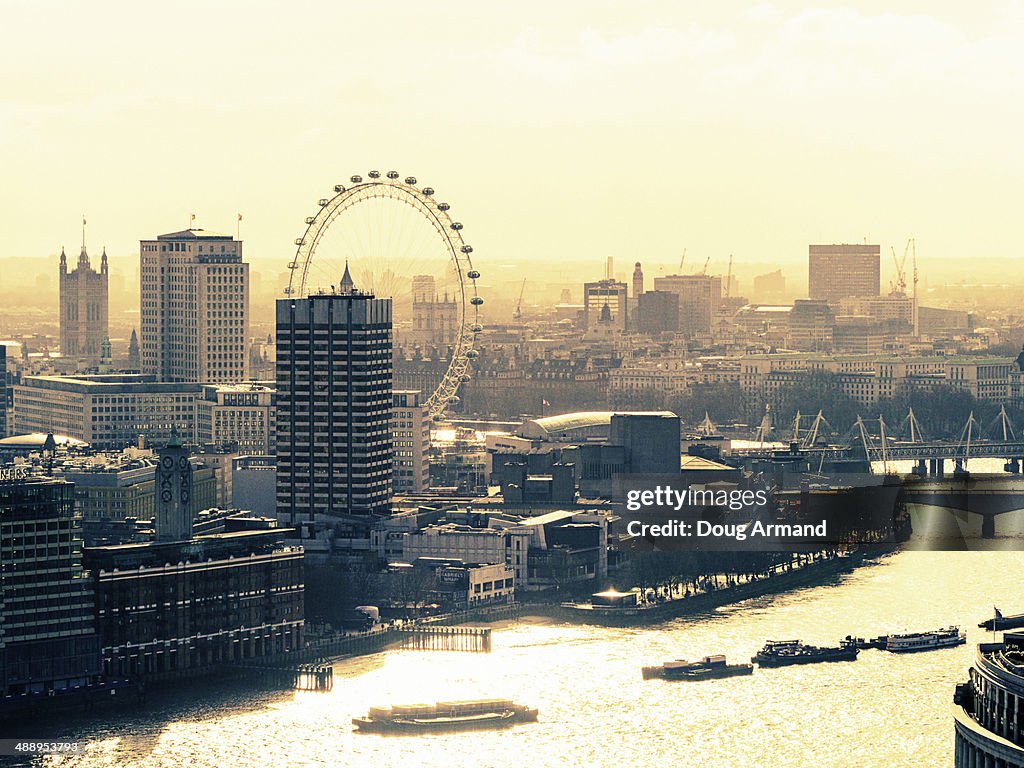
398,241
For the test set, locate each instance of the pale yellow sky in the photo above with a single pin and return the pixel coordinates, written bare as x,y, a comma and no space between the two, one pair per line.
556,129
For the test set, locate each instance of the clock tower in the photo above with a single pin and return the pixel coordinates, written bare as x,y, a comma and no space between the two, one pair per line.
173,492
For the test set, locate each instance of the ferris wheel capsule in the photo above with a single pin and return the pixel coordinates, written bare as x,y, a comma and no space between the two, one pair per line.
454,399
392,175
466,249
374,174
428,191
339,187
473,274
309,219
356,179
465,377
323,202
476,328
443,206
472,354
410,180
476,301
456,225
299,241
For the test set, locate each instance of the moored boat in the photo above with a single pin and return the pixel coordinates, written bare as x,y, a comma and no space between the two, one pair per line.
926,641
708,668
999,622
445,716
781,653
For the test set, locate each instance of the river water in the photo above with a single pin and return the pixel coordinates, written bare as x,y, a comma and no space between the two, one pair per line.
595,710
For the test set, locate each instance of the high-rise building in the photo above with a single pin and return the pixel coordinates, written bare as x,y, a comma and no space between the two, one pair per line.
194,307
657,312
699,299
811,325
837,271
3,391
48,642
83,309
410,435
334,401
604,302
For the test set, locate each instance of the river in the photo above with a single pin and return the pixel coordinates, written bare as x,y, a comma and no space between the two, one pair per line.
595,710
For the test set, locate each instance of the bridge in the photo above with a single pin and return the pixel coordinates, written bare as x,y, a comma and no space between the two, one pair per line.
871,440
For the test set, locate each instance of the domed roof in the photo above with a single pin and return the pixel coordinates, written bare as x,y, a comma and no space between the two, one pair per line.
38,440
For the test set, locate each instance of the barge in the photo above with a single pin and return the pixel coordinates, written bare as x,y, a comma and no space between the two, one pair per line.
444,716
708,668
782,653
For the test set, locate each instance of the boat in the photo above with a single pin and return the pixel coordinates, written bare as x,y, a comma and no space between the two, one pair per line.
444,716
708,668
999,622
781,653
926,641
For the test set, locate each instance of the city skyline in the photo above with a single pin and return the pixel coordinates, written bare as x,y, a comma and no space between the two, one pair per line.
769,127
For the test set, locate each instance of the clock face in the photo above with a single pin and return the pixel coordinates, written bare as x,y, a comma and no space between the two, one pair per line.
183,463
166,496
184,496
167,463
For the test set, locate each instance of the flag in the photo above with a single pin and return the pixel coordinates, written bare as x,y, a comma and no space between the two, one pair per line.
999,614
239,217
193,217
545,403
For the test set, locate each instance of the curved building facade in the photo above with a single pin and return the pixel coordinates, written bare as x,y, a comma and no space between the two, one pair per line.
989,713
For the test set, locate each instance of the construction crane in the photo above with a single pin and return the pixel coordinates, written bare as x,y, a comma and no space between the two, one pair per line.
706,262
517,314
899,285
728,278
681,260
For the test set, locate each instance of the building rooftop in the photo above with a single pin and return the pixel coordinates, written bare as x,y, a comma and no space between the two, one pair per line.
36,440
550,425
194,234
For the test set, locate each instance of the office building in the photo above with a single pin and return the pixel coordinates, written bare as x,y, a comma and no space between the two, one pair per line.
83,309
410,435
233,596
194,308
657,312
835,272
604,303
334,401
3,391
48,642
238,414
699,299
108,411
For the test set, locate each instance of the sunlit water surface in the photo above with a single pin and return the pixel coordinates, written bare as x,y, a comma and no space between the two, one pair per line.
595,710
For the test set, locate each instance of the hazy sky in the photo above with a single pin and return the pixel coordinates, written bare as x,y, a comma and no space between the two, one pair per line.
556,129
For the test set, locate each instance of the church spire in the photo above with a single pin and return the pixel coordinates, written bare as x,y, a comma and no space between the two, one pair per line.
103,261
347,285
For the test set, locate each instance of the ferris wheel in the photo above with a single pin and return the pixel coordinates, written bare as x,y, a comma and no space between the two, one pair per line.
398,242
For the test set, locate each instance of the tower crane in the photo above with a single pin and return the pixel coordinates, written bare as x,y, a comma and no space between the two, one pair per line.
681,260
728,278
706,262
517,314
